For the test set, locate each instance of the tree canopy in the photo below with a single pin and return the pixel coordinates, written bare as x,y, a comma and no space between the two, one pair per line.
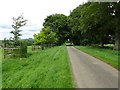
46,36
89,23
58,24
94,22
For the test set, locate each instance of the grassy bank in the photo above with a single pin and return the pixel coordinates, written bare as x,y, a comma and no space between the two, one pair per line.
48,68
107,55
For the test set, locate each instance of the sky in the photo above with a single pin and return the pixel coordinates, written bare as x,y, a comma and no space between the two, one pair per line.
35,11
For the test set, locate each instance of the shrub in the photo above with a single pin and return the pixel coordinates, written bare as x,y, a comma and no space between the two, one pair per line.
16,52
23,49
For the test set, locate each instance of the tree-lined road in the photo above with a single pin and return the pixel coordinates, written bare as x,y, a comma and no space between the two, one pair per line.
90,72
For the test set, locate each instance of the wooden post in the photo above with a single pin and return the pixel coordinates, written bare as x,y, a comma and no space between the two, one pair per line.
4,53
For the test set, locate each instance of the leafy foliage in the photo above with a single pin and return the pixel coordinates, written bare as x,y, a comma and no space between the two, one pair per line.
59,24
17,23
88,24
46,36
94,23
23,49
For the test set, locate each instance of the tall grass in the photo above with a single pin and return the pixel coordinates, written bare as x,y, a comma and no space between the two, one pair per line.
48,68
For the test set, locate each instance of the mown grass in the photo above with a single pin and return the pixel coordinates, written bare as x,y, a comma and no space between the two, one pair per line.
107,55
48,68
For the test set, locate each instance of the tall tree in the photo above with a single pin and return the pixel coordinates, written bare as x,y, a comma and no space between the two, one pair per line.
58,23
17,24
93,22
74,24
115,13
96,21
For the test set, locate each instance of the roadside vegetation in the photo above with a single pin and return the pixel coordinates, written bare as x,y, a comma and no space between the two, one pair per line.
47,68
107,55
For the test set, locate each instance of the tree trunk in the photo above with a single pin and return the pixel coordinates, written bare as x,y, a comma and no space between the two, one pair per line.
102,44
42,46
117,41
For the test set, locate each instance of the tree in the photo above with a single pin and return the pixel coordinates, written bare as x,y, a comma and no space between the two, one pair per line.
92,21
115,13
17,23
58,23
50,36
46,36
97,20
5,42
39,38
97,23
74,25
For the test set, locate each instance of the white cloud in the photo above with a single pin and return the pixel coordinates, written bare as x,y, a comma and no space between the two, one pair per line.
33,10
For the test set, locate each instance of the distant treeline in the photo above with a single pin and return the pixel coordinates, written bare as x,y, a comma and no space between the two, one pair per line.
9,43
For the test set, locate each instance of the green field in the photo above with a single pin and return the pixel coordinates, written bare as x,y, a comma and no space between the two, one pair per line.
47,68
107,55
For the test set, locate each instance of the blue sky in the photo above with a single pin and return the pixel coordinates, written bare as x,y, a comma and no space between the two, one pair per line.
35,11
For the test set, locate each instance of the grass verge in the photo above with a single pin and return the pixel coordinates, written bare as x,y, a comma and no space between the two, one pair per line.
48,68
107,55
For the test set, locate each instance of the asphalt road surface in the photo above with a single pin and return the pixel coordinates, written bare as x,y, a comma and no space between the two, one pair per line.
90,72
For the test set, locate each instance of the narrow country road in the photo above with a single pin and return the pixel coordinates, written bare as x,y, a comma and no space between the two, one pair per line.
90,72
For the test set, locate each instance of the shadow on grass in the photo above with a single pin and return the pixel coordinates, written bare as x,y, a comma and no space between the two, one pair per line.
104,47
16,57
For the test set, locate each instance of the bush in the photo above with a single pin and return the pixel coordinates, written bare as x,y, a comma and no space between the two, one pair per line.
23,49
16,52
20,51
